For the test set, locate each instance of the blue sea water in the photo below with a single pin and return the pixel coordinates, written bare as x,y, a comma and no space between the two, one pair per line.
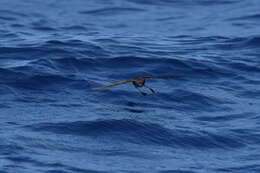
52,52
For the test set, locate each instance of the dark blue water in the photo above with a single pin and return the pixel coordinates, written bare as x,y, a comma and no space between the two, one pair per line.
52,52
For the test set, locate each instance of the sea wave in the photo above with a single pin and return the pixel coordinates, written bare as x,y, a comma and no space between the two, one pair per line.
142,133
52,54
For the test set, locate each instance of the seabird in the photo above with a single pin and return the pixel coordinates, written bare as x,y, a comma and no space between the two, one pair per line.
138,82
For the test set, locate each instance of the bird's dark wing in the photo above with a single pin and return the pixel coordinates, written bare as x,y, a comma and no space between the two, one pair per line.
112,85
162,77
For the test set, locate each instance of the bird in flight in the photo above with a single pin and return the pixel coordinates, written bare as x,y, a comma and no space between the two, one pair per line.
138,82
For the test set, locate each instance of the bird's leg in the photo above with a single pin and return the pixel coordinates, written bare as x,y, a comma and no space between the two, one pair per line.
152,90
143,93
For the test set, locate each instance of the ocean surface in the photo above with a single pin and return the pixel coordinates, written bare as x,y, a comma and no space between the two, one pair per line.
52,52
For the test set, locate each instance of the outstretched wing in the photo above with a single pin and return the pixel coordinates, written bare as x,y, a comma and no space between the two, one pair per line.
162,77
112,85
